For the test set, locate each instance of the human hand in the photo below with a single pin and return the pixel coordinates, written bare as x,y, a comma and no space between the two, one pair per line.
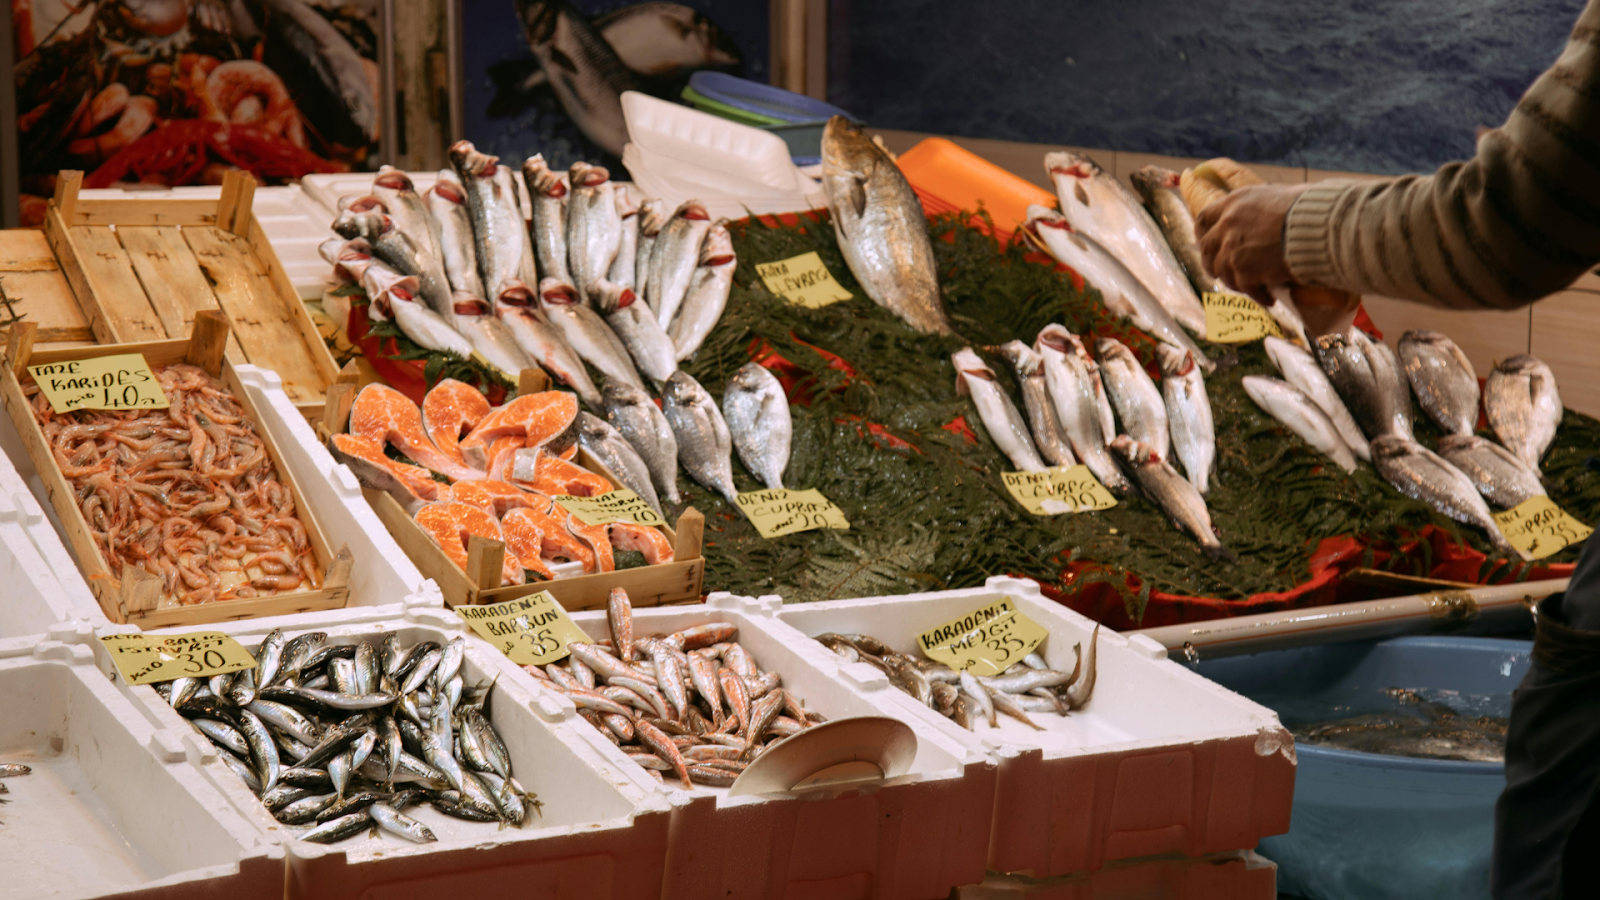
1241,238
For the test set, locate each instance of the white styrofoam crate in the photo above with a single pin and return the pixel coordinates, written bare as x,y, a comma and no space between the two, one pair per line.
1159,761
913,837
43,585
603,832
113,808
1236,875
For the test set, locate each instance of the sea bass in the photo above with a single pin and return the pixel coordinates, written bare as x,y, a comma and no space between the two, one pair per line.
637,418
605,443
1138,402
1420,474
407,208
1194,435
594,228
394,297
1301,415
673,258
499,232
1499,475
1443,379
528,325
1158,188
1049,438
1073,393
1524,407
707,295
636,326
881,227
705,448
399,250
623,269
1176,497
1301,369
757,412
1000,418
447,205
548,196
653,215
586,333
1057,336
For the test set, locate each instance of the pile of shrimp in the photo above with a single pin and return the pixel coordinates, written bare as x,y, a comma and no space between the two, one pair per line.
187,493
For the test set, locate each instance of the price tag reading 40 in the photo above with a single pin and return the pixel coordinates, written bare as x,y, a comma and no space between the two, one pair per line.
105,382
1540,528
986,641
531,631
153,658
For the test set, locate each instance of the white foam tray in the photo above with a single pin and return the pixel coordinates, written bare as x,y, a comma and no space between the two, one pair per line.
1159,761
1238,875
603,833
113,807
912,837
43,586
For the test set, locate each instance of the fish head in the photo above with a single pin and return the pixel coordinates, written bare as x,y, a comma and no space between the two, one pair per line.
1072,172
1454,443
693,210
469,161
541,180
612,296
514,293
847,149
1150,181
1055,338
718,247
1176,362
354,223
583,174
617,394
393,179
1390,446
1279,351
752,376
465,304
1423,336
449,191
653,214
1132,452
1020,357
682,390
1521,364
969,365
1111,348
592,426
556,293
627,204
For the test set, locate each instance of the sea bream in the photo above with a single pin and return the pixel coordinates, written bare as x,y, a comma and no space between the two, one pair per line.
1423,475
1098,205
393,296
1189,420
757,412
605,443
1300,369
594,227
881,227
1301,415
587,77
1523,406
1049,438
705,447
1499,475
500,234
636,326
999,415
707,295
1073,392
1173,494
673,257
547,195
1138,402
637,418
1442,378
1368,385
586,333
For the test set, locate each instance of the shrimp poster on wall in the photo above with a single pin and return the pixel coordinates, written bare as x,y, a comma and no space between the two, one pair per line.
174,92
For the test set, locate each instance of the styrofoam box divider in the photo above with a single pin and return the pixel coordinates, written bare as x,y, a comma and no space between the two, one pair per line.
1237,875
913,837
113,808
1159,761
603,832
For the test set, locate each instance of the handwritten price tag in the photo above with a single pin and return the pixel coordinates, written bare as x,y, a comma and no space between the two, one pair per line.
152,658
1236,319
1062,489
803,280
986,641
105,382
620,505
1540,528
530,630
781,512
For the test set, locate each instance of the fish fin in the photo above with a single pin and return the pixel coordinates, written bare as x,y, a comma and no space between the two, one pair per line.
1220,553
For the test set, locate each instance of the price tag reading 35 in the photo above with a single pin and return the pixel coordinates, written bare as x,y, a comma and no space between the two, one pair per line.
779,512
1540,528
105,382
1236,319
531,631
620,505
986,641
803,280
152,658
1061,489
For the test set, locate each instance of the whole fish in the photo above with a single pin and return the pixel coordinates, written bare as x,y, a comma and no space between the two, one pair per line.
1065,341
1073,394
673,258
1301,415
707,295
1194,433
1442,378
614,452
1420,474
508,185
705,447
581,68
402,252
637,418
1524,407
653,215
1098,205
586,333
406,207
336,830
1158,188
624,268
485,327
400,824
1176,497
269,656
636,326
1300,369
1049,438
1138,402
757,412
320,67
1386,369
594,229
500,235
394,296
1000,418
1287,315
1370,397
263,751
1123,293
881,227
540,339
548,194
1499,475
447,207
1079,692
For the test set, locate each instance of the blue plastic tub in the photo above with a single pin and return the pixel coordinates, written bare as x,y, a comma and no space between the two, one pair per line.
765,99
1367,826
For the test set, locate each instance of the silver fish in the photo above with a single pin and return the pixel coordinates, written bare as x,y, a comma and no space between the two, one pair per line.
1300,369
508,185
1176,497
488,332
707,295
410,213
1498,474
319,65
1049,438
1287,315
1524,407
287,719
637,418
705,447
662,39
1442,378
1123,293
673,258
1098,205
586,333
606,444
263,752
401,251
636,326
1348,359
394,297
223,735
981,699
1073,393
757,412
1301,415
1386,369
581,68
1000,418
1158,188
338,829
1065,341
1138,402
1194,433
548,194
499,233
447,206
624,268
539,338
1081,690
1420,474
881,227
653,215
594,228
400,824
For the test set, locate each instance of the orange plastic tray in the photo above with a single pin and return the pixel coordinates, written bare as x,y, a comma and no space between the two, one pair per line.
947,177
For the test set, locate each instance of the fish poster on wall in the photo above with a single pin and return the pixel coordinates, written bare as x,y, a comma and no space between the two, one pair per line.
545,76
174,92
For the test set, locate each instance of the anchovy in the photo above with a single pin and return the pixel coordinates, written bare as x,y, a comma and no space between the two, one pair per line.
636,417
636,326
705,447
366,668
586,333
673,259
1175,496
600,440
305,810
707,295
1194,434
548,194
1296,412
757,412
594,228
1138,402
1442,378
1073,393
1049,438
1498,474
455,652
286,718
1300,369
999,415
1420,474
222,734
263,752
1524,406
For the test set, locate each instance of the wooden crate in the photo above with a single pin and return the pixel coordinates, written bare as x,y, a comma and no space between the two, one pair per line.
136,598
139,268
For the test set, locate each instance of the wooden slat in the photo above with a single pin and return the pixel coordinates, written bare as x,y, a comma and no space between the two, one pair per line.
20,338
65,200
327,369
144,211
208,340
156,353
171,277
26,250
111,293
486,560
46,299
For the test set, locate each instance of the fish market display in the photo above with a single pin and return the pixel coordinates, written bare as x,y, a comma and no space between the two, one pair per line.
1368,379
1138,402
757,412
341,739
1000,417
1194,433
1162,484
1300,369
188,493
1076,392
394,296
1049,438
1421,474
1442,378
693,705
705,447
1027,689
1523,406
1296,412
1500,476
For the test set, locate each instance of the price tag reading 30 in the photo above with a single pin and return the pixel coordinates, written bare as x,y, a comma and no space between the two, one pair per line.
531,631
152,658
1236,319
1061,489
620,505
779,512
1540,528
123,381
986,641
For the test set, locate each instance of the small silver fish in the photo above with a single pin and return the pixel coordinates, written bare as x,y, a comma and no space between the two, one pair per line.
605,443
1365,384
1194,434
1296,412
586,333
705,447
653,215
538,337
400,824
707,295
1049,438
447,206
1138,402
1158,188
1524,406
1498,474
594,228
999,415
1174,495
500,234
1442,378
757,412
1420,474
637,418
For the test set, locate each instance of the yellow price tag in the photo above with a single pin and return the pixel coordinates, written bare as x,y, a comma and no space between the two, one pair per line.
620,505
123,381
986,641
1236,319
1062,489
781,512
152,658
530,630
803,280
1540,528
